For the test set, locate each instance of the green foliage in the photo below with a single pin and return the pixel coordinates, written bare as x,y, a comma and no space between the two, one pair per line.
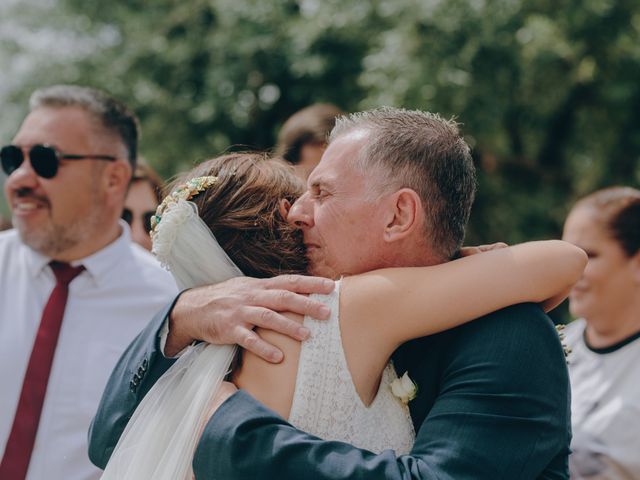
547,91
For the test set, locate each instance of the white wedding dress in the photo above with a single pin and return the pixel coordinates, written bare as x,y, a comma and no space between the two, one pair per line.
325,401
160,438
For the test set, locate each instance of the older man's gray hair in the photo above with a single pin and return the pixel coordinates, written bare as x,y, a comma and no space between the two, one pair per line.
424,152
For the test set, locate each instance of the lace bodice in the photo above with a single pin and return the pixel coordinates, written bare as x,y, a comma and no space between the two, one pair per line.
326,403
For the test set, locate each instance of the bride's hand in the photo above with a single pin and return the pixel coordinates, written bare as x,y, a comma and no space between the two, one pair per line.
226,313
466,251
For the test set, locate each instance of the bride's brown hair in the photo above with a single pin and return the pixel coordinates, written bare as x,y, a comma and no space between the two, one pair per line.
242,210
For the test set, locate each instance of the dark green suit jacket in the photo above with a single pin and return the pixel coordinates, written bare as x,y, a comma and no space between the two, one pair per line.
493,403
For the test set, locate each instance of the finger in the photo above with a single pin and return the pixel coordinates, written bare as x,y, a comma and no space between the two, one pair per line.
250,341
301,284
286,301
278,322
497,245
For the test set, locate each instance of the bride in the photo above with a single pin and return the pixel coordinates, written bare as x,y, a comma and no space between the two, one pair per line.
228,218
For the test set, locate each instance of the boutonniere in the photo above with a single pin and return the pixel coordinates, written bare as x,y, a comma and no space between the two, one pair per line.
404,388
565,347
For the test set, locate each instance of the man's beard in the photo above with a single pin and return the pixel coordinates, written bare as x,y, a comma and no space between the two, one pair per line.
51,239
56,239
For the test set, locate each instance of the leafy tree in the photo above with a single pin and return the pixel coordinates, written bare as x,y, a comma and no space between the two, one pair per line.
547,91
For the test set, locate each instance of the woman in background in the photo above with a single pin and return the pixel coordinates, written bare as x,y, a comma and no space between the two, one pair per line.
604,365
143,197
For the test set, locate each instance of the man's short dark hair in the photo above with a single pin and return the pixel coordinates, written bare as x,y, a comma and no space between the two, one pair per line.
311,125
424,152
114,116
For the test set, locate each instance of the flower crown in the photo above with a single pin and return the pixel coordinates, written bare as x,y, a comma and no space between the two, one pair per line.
186,191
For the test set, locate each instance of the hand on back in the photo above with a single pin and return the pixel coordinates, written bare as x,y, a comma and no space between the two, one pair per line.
227,312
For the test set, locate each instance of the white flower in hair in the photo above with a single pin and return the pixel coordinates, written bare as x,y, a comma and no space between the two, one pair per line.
175,215
174,211
186,191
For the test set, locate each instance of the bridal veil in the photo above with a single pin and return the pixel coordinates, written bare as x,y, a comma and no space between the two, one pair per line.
160,439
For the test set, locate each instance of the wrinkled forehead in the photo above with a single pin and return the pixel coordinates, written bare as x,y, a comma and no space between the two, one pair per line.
342,160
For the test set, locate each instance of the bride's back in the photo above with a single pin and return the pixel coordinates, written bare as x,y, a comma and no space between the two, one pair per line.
324,389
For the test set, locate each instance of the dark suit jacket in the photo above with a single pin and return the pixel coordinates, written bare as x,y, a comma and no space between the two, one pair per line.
493,403
138,369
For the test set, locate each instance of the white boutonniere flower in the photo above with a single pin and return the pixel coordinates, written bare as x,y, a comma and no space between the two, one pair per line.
404,388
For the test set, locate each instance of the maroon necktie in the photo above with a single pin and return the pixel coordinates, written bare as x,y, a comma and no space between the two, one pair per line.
17,453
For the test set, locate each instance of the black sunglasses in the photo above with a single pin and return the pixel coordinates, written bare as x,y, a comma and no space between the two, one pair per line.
127,216
44,159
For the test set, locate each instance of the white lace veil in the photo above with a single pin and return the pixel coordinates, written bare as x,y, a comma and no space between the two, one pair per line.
160,439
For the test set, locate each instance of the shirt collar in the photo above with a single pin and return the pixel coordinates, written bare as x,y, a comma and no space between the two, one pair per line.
97,264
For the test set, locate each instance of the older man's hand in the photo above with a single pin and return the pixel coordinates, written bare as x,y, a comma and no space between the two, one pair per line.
226,313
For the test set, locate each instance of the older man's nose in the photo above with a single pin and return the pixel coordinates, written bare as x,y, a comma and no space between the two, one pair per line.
300,214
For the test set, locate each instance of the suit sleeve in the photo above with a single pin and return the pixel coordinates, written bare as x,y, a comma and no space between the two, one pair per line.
137,370
501,412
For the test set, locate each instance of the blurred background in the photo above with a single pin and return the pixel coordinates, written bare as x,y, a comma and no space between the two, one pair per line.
548,91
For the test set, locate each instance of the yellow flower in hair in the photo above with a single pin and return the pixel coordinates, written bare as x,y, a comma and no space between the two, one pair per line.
186,191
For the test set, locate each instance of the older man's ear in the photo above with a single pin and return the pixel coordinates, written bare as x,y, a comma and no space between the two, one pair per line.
405,215
116,177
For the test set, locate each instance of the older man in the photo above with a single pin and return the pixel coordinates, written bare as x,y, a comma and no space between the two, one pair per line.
394,188
74,290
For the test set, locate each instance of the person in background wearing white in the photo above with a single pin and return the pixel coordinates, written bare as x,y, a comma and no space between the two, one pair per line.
604,365
74,289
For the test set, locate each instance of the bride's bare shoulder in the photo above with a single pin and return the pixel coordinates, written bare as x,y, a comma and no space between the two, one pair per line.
271,384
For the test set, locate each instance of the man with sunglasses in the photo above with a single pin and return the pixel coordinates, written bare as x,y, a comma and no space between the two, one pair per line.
74,289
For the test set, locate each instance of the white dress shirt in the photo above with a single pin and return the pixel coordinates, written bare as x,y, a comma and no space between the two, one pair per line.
121,289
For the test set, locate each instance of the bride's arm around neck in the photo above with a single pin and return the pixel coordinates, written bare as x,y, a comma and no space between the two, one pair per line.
388,307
